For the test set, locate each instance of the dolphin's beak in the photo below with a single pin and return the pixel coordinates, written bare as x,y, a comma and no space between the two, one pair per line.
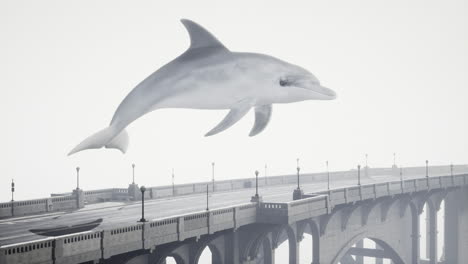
316,91
323,92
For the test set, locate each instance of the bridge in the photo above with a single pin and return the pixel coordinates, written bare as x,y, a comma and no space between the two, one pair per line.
387,206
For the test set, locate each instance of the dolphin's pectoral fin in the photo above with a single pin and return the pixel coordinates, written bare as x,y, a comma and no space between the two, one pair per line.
236,113
262,117
200,37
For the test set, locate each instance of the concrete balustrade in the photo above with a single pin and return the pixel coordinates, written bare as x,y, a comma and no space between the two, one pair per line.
64,201
121,240
78,248
40,251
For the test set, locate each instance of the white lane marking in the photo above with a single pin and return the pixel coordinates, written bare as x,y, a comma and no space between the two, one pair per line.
16,236
41,216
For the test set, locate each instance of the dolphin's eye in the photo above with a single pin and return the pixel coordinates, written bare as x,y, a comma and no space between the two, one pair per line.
283,82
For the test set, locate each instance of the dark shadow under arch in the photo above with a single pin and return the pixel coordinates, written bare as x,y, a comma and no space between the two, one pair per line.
215,254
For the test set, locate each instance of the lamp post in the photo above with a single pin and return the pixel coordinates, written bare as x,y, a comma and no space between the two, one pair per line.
266,174
77,178
359,175
142,189
12,198
401,178
298,169
173,187
298,178
427,169
207,208
298,193
213,175
328,177
451,174
133,173
256,197
394,159
367,167
256,183
12,190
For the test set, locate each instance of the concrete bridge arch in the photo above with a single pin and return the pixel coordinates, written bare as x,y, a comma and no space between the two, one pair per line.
393,255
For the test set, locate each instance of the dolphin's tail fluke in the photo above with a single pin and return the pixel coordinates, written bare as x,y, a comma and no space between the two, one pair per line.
107,137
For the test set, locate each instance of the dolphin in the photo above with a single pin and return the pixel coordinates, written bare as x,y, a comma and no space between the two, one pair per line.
210,76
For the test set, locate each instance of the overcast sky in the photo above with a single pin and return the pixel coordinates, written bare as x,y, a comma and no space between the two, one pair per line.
399,69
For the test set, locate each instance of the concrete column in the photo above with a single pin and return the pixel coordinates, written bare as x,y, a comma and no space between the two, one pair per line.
294,251
432,235
451,228
360,259
232,247
415,235
463,224
272,260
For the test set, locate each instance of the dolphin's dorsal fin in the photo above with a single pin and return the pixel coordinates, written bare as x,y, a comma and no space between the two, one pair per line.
200,37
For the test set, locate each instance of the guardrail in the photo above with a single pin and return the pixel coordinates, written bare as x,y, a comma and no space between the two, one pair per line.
95,245
19,208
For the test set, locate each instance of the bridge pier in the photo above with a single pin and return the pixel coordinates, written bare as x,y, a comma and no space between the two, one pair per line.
432,228
451,236
360,259
456,229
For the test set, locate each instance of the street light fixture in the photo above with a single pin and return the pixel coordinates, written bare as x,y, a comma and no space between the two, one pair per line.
133,173
427,169
451,174
77,178
142,189
173,187
298,193
328,177
298,178
256,183
359,174
12,190
401,177
212,174
12,198
298,169
207,208
256,198
367,167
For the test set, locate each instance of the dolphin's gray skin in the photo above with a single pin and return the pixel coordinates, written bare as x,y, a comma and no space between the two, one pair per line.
209,76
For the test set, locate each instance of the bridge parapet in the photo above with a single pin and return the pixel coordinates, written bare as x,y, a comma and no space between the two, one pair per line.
290,212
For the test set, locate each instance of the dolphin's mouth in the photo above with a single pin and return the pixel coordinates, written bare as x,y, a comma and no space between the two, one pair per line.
328,93
321,93
311,85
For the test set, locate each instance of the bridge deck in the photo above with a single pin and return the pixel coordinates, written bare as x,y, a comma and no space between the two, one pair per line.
16,230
